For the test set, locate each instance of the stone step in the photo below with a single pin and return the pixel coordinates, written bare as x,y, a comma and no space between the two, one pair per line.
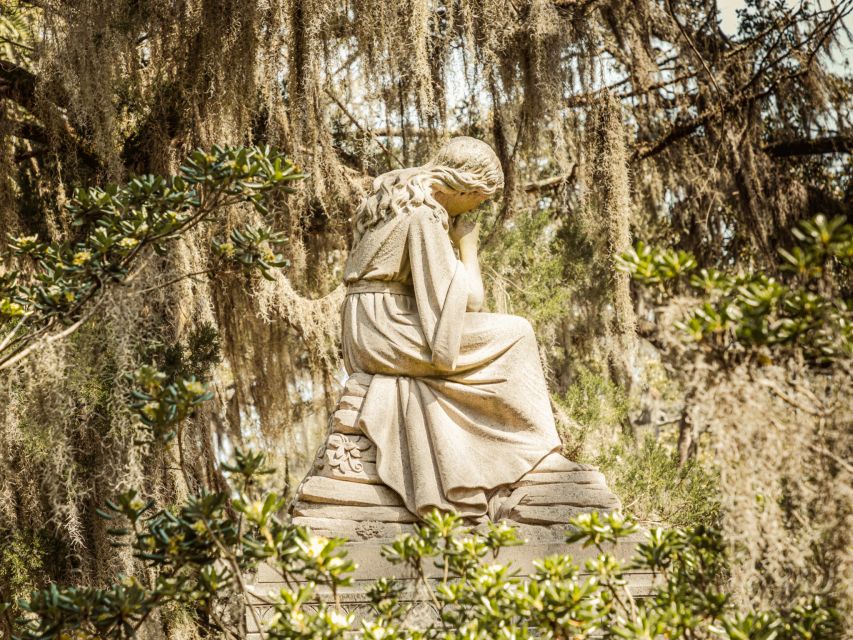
595,478
357,384
350,403
361,514
551,514
567,494
345,421
354,529
330,491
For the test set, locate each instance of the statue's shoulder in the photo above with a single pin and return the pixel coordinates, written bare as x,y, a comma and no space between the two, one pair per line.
428,216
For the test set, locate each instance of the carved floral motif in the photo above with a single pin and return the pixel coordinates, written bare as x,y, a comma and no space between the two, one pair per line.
343,453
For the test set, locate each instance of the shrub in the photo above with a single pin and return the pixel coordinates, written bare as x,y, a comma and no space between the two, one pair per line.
198,552
749,313
201,550
121,225
762,358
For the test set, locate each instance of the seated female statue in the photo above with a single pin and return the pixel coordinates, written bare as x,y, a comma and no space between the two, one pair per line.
458,405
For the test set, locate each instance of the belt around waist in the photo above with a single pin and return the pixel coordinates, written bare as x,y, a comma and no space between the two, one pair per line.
380,286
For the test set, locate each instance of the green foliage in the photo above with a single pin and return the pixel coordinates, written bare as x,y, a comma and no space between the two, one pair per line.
594,400
655,266
483,599
200,550
195,356
121,224
15,32
596,405
439,537
477,599
23,554
659,489
251,249
525,263
162,406
756,311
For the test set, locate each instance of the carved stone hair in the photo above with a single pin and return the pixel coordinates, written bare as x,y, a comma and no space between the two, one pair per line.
463,165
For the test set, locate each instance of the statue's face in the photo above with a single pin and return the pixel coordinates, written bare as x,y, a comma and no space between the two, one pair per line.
458,203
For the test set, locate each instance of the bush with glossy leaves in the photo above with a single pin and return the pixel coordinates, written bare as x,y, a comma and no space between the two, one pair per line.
756,312
200,551
120,225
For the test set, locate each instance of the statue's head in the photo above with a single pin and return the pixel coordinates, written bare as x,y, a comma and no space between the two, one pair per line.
467,172
464,173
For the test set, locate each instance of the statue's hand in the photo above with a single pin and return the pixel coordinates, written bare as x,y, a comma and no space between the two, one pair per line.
464,233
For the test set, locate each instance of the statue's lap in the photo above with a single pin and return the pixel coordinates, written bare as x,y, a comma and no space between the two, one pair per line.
343,495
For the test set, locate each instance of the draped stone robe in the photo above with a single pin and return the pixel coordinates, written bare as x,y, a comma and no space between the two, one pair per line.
458,404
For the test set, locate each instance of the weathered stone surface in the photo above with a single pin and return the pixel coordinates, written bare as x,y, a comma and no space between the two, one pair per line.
346,453
344,421
552,514
595,478
359,446
345,497
534,533
366,475
331,491
350,403
568,494
354,529
378,514
357,384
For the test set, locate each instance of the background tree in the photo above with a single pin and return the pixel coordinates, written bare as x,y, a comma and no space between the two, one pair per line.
614,122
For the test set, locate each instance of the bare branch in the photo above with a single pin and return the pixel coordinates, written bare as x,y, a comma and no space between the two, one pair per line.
6,364
810,146
553,182
352,119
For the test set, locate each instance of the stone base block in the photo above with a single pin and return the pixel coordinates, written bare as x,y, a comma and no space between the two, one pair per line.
371,566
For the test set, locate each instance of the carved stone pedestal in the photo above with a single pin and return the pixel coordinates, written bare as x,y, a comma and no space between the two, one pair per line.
371,565
343,496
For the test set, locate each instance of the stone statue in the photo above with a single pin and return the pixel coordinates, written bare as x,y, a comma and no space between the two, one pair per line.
445,406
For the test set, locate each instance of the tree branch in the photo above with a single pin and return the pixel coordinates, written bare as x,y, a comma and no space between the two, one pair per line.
550,183
18,84
679,131
20,355
390,154
810,146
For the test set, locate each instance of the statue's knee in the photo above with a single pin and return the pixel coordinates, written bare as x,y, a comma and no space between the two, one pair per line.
523,327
